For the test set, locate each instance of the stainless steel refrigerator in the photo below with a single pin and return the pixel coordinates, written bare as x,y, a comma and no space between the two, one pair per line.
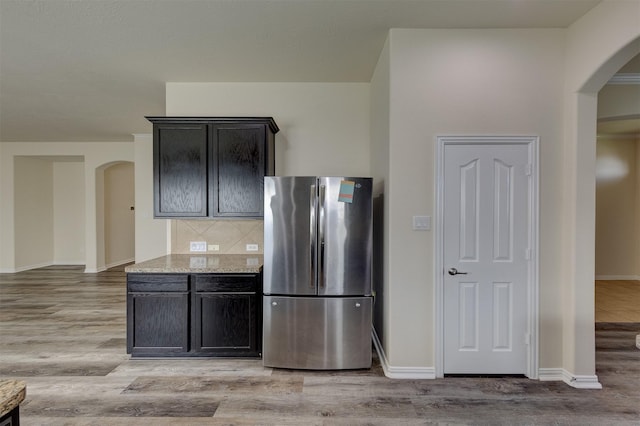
317,272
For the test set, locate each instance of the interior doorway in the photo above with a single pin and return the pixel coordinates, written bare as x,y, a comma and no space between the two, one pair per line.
49,205
617,242
117,213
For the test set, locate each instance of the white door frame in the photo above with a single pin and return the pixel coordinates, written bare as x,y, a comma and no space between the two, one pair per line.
532,281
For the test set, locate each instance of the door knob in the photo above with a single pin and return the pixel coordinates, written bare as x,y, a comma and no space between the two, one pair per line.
454,271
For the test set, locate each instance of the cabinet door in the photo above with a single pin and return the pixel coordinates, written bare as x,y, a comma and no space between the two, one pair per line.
238,169
227,314
226,324
157,323
180,170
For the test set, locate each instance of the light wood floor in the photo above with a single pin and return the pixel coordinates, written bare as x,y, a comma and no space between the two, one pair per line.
617,301
63,332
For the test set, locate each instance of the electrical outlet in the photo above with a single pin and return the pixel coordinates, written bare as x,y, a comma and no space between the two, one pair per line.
198,246
214,247
421,223
252,247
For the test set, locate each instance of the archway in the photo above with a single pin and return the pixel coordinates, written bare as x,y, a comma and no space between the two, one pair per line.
617,259
591,65
115,221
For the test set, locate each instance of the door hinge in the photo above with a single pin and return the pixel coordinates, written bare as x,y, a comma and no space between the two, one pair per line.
528,170
527,338
528,253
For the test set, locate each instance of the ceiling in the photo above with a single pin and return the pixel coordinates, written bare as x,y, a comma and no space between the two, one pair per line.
90,70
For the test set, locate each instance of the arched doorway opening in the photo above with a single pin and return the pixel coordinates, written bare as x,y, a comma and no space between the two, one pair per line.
590,69
617,260
115,216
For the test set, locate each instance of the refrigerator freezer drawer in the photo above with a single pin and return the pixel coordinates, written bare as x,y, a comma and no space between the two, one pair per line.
317,333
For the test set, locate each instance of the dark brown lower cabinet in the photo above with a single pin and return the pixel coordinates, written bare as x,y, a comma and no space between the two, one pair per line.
157,314
227,315
194,315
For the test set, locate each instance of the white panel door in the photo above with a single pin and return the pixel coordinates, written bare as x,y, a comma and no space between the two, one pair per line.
486,214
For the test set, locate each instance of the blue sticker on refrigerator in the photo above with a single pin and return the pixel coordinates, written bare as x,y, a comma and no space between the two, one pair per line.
347,189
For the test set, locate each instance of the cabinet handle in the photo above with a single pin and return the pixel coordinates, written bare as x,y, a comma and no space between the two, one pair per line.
312,236
321,231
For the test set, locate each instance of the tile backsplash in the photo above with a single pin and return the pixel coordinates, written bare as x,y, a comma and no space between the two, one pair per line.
232,236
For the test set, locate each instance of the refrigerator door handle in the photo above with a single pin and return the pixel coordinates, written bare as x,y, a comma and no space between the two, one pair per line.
312,236
321,231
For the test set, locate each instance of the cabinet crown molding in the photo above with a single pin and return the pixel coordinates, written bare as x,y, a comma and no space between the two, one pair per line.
189,119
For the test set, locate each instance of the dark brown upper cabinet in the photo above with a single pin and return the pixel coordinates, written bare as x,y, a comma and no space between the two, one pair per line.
211,166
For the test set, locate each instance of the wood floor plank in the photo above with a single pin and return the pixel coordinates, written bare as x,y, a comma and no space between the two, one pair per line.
216,386
181,421
191,367
54,386
269,407
26,369
131,406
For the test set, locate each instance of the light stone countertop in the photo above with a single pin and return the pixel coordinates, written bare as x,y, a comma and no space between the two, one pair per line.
12,393
200,264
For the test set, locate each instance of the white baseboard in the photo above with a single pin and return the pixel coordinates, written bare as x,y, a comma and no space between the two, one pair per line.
26,268
618,277
550,374
111,265
400,372
69,262
120,262
575,381
544,374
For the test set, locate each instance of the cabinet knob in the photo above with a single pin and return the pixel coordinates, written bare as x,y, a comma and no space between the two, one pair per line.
274,303
357,305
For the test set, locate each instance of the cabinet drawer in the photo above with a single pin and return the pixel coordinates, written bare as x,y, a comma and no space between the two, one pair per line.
157,282
226,283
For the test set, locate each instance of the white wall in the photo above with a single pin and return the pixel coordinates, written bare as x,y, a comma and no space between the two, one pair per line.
600,43
379,159
616,209
68,212
475,82
152,235
119,224
34,213
324,127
